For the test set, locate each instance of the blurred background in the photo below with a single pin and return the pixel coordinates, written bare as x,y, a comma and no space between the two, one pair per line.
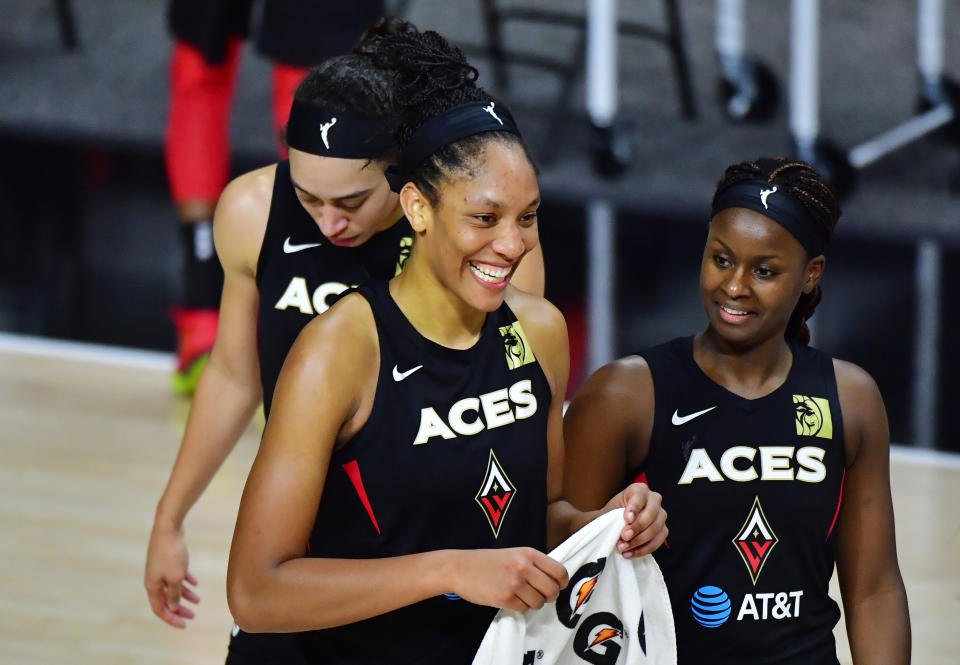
88,243
90,252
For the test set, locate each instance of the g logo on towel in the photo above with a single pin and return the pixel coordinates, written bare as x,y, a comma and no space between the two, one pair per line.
599,639
578,592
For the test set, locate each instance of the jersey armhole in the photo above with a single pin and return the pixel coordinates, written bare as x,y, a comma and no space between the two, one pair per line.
351,446
833,395
263,259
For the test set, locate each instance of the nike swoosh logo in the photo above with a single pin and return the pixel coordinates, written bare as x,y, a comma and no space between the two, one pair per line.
400,376
289,248
680,420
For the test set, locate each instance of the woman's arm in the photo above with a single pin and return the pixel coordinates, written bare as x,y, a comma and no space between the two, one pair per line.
606,433
324,395
645,530
226,396
874,597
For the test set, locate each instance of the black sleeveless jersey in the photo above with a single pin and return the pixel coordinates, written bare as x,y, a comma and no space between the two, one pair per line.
753,491
453,456
299,273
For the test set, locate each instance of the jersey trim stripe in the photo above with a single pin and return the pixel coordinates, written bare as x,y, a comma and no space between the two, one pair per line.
843,477
353,471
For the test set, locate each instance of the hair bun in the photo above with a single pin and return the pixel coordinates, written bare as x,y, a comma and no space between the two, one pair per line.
386,26
426,64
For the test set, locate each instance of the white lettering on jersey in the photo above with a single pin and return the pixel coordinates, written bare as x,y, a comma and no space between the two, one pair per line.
812,469
431,424
730,469
699,466
748,606
323,292
521,395
456,417
298,295
782,608
776,463
498,408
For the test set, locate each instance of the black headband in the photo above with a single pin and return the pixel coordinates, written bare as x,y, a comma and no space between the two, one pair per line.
451,125
767,199
335,133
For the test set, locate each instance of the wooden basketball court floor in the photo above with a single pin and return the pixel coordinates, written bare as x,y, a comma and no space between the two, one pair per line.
87,438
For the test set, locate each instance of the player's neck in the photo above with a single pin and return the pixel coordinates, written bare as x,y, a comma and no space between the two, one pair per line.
436,312
750,372
395,216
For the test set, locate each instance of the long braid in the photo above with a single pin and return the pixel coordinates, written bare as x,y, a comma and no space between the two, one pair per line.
807,186
797,328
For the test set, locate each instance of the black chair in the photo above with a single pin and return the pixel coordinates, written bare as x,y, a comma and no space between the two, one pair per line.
569,70
67,24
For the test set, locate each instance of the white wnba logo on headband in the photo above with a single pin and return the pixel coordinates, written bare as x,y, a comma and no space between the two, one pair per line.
324,128
489,109
764,193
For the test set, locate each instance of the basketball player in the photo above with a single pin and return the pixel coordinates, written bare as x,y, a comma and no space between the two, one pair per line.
772,457
209,35
407,481
290,236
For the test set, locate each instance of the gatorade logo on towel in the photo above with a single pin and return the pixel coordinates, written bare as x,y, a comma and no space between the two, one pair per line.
614,610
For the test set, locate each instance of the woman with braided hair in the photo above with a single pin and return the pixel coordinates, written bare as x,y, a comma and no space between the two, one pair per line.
408,481
290,236
771,456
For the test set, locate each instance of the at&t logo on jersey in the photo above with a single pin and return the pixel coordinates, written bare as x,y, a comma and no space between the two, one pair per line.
495,495
499,408
711,607
515,346
812,416
756,540
298,295
758,606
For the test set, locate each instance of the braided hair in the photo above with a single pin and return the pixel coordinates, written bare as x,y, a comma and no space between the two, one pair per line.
352,83
433,76
806,185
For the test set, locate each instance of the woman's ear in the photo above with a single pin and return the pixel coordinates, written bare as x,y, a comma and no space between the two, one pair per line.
415,206
814,272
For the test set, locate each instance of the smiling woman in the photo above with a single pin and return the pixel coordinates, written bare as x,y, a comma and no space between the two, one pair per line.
415,441
291,237
471,250
772,457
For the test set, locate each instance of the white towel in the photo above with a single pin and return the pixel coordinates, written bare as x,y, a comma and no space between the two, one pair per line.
614,610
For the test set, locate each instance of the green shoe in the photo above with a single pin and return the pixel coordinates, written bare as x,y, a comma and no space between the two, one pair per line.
196,334
184,382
